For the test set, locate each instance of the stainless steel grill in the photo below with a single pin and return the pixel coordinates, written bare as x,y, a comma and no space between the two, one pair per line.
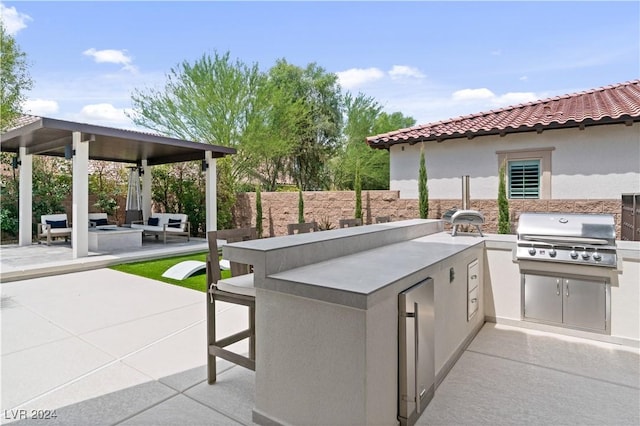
579,239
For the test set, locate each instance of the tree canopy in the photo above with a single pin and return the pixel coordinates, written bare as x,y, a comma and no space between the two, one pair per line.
14,80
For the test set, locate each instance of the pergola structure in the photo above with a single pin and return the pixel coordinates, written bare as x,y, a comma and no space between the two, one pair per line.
83,142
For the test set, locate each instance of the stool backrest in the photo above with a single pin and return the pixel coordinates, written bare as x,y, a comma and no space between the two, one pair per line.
302,228
228,236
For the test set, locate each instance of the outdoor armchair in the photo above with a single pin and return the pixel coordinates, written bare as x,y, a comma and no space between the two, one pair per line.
54,226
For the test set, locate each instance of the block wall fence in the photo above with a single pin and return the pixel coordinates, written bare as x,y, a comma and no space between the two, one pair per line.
281,208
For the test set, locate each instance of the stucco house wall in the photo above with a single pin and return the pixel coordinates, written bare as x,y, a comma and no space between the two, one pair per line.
597,162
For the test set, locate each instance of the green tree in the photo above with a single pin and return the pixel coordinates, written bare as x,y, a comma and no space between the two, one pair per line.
300,207
51,185
423,189
107,182
317,121
258,212
178,188
212,100
504,226
14,80
358,190
363,117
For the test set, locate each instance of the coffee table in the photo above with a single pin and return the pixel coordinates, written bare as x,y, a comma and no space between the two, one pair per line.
108,239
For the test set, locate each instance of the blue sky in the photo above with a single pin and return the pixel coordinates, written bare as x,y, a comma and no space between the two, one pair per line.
429,60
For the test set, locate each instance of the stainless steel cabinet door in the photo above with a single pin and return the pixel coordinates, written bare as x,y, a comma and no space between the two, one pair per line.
585,304
543,298
416,352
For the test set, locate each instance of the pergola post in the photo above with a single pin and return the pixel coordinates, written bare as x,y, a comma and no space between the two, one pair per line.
80,210
211,192
146,191
25,207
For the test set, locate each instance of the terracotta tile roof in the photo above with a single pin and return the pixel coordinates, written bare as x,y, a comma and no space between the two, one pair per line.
609,104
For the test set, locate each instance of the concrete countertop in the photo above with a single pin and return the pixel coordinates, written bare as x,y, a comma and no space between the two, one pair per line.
357,280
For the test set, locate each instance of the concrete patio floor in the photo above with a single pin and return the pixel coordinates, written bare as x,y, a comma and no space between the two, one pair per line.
40,260
104,347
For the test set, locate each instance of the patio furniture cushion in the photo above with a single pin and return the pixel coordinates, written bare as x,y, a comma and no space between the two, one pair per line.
174,223
241,284
100,222
57,224
153,221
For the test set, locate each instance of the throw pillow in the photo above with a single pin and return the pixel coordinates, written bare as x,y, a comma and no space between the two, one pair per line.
174,223
153,221
57,223
101,222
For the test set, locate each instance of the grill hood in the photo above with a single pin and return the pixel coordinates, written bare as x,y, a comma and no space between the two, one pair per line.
566,226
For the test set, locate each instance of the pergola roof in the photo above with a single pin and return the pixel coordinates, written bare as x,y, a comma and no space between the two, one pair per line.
47,136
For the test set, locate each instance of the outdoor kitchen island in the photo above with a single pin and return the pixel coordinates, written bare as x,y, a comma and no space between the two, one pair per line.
327,316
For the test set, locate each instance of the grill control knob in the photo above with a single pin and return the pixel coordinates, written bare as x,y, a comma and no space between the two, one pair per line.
532,251
597,257
573,254
585,255
553,252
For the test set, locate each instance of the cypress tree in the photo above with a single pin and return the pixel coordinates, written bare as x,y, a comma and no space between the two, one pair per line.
358,189
504,227
300,207
258,212
423,190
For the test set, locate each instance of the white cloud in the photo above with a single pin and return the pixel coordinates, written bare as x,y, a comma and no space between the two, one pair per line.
515,98
101,113
473,94
111,56
523,78
13,20
41,107
358,76
399,71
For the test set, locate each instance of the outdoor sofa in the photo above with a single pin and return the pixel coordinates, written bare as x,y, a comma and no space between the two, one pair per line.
54,226
165,224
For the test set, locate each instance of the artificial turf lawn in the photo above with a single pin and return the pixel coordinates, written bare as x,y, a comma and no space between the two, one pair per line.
155,268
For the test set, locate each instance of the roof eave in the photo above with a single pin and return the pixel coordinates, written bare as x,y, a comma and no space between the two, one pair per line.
624,119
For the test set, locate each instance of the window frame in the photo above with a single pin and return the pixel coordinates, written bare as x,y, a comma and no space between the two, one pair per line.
541,154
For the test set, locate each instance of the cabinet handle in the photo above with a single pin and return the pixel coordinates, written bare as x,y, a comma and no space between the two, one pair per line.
567,288
474,277
557,287
416,337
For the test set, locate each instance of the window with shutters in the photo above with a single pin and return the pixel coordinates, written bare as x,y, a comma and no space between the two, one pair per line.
528,172
524,179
